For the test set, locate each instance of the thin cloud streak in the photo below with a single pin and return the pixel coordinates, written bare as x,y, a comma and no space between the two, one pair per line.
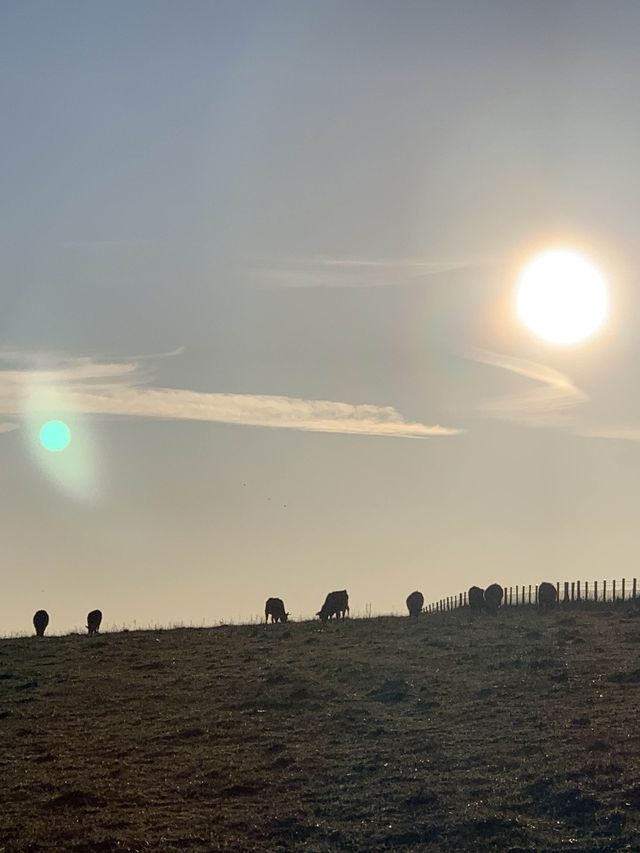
547,404
333,272
620,433
82,386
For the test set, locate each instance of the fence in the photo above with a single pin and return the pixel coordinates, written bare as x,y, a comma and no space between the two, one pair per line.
519,596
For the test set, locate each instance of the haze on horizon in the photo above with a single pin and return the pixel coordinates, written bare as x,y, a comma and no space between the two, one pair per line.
261,258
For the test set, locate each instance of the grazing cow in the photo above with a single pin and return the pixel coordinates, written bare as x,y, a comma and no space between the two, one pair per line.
93,621
415,603
493,597
546,595
476,599
336,604
275,608
40,622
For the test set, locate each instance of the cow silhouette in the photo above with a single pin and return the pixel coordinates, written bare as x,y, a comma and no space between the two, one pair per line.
493,597
547,595
415,603
274,607
335,604
475,598
93,621
40,622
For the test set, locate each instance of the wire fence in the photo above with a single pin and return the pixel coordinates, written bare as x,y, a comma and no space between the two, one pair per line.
566,592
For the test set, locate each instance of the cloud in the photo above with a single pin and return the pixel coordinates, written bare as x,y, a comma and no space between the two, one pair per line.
331,272
8,427
547,404
622,433
88,387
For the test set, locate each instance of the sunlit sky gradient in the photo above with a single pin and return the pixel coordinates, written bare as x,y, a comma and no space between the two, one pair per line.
261,258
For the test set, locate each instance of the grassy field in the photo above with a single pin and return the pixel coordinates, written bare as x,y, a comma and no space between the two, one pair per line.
511,733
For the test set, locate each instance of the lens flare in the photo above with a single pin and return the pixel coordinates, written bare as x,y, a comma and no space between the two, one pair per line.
55,436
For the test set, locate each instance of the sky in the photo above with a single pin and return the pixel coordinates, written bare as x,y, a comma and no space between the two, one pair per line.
261,258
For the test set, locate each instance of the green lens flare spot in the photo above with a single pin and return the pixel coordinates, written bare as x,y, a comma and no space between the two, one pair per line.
55,436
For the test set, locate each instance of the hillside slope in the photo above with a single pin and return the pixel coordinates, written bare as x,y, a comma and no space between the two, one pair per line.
511,733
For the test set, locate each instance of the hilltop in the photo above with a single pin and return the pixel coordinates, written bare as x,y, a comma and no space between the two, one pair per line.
516,733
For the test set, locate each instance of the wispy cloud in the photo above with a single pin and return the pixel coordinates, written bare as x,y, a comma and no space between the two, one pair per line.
85,386
8,427
610,431
546,404
326,271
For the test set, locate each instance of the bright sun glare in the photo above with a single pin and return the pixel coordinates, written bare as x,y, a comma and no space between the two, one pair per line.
561,297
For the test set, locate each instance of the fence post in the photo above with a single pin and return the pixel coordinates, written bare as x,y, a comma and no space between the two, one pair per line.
595,590
529,593
586,590
573,589
536,598
460,602
622,591
510,596
578,591
613,597
566,590
634,588
465,599
557,591
604,590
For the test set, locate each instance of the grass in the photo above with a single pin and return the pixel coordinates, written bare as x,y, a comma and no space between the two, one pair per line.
511,733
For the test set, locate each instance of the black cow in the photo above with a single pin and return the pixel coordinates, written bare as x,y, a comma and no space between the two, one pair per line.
93,621
493,597
40,622
475,598
275,608
415,603
336,604
547,595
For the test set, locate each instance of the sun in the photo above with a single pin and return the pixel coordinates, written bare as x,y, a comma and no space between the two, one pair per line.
561,297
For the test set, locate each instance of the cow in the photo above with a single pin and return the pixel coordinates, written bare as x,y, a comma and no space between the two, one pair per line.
93,621
415,603
546,595
493,597
40,622
335,604
475,598
275,608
